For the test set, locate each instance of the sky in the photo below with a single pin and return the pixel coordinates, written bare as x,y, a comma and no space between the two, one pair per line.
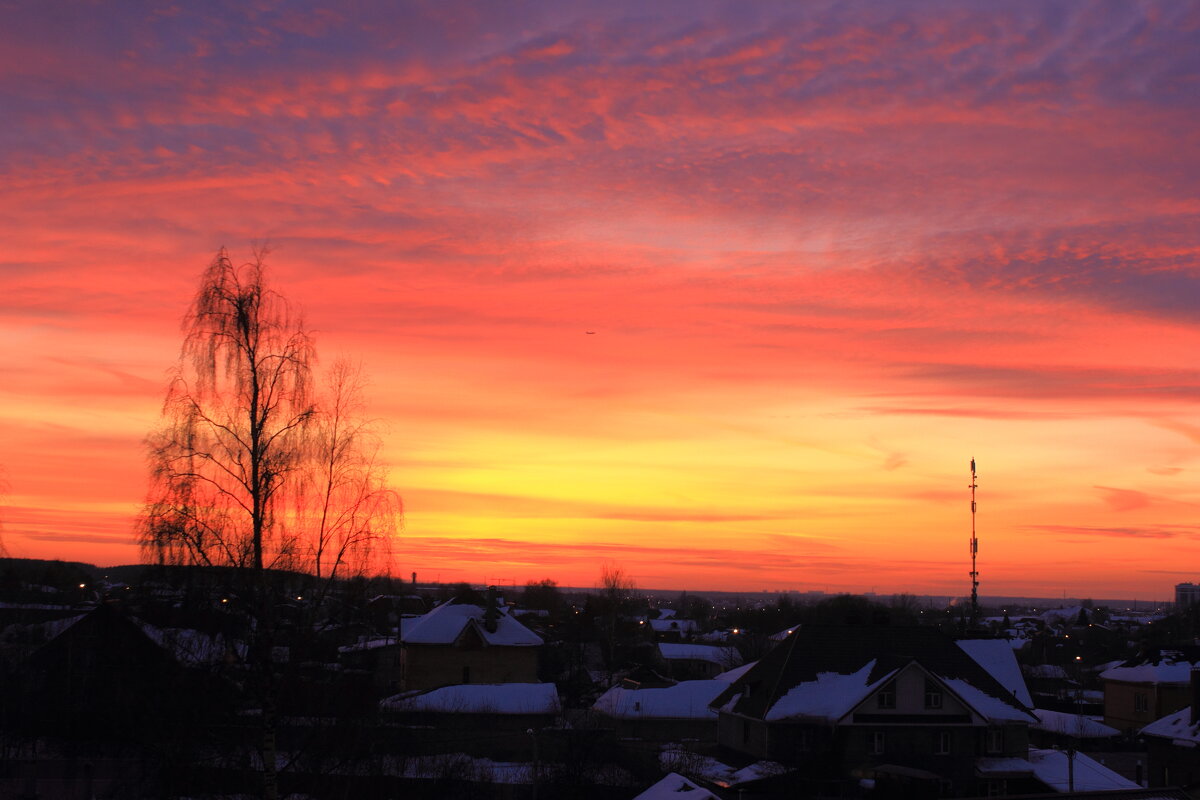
725,295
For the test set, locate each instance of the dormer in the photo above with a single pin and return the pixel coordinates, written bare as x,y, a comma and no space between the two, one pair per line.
911,695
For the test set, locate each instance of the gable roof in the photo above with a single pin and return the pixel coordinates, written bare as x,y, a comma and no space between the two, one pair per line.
684,700
997,657
823,672
446,623
1178,727
724,657
480,698
675,785
1172,666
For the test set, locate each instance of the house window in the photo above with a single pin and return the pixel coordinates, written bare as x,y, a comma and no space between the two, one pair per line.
745,731
1141,702
995,740
466,678
942,747
933,695
804,741
887,696
878,742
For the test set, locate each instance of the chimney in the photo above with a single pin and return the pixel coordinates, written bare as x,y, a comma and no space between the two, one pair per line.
1195,675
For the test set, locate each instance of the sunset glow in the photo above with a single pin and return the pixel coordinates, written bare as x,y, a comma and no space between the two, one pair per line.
726,294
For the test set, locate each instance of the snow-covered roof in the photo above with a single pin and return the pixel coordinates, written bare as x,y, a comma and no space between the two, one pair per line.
447,622
716,772
684,700
1075,725
192,647
1165,671
829,697
1177,727
480,698
1000,766
676,786
726,657
996,656
1051,767
779,636
823,673
731,675
986,704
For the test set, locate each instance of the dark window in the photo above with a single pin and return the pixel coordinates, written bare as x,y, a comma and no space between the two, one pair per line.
887,696
878,742
943,743
933,695
1141,703
466,675
995,740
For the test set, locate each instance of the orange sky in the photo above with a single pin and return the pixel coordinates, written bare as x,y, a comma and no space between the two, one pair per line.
829,252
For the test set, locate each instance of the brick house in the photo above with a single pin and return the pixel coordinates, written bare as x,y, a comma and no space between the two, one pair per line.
1146,689
461,642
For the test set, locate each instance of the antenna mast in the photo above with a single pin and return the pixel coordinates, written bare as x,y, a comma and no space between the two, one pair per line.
974,551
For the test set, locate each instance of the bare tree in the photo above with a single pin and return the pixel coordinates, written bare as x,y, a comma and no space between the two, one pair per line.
234,441
235,426
616,595
346,513
3,493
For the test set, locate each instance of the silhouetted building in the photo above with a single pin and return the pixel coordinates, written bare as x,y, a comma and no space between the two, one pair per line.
909,708
1187,594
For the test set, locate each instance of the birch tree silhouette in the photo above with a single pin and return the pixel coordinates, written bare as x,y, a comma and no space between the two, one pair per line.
247,471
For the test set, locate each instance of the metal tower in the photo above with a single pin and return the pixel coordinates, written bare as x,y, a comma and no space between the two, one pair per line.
974,551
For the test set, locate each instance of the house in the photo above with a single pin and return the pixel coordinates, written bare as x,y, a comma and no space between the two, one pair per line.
674,630
1173,744
492,719
462,642
697,661
103,695
1143,690
893,705
664,714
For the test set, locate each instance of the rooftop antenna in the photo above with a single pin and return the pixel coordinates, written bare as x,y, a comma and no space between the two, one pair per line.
974,551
